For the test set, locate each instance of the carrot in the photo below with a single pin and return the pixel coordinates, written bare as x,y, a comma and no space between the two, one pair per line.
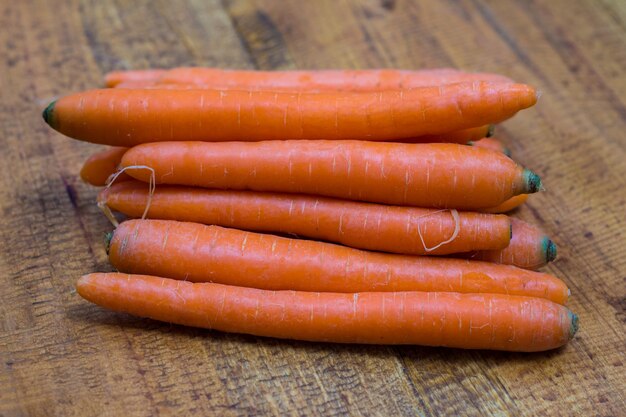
510,204
135,84
114,78
323,80
199,253
121,117
471,321
459,136
530,248
101,165
491,143
439,175
407,230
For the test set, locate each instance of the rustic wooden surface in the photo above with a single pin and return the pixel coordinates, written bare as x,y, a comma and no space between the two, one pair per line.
63,356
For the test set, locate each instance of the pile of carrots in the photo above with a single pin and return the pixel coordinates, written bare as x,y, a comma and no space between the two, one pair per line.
342,206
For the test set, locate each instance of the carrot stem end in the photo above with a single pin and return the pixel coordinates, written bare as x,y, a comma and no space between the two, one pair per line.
107,241
550,250
574,323
48,112
532,182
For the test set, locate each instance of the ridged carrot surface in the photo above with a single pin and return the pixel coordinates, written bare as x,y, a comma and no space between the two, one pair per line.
460,136
530,248
99,166
491,143
422,175
407,230
135,84
471,321
199,253
122,117
114,78
323,80
510,204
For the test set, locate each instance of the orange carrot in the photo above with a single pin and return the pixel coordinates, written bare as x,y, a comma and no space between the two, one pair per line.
530,248
135,84
407,230
122,117
439,175
199,253
459,136
101,165
323,80
510,204
491,143
471,321
114,78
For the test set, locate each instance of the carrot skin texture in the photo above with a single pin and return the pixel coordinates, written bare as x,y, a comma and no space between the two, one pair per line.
491,143
530,248
136,84
146,115
114,78
421,175
198,253
101,165
471,321
323,80
509,205
358,225
459,136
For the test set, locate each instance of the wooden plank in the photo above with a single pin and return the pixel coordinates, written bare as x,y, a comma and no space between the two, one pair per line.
62,356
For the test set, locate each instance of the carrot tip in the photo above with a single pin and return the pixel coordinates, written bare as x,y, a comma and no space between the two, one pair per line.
532,182
47,113
573,324
490,131
80,285
550,248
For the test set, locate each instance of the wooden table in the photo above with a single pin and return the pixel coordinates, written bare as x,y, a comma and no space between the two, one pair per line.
63,356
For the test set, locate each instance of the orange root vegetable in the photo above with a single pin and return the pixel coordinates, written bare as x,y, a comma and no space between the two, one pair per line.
323,80
459,136
101,165
530,248
438,175
471,321
491,143
114,78
406,230
510,204
122,117
199,253
135,84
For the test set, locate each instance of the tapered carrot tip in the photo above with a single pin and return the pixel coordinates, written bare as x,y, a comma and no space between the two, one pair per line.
490,131
532,182
80,285
573,328
550,249
47,113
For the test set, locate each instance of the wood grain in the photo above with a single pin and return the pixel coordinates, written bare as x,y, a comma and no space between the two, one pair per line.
63,356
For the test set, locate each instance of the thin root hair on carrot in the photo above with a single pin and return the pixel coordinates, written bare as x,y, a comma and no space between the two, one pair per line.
151,189
455,233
